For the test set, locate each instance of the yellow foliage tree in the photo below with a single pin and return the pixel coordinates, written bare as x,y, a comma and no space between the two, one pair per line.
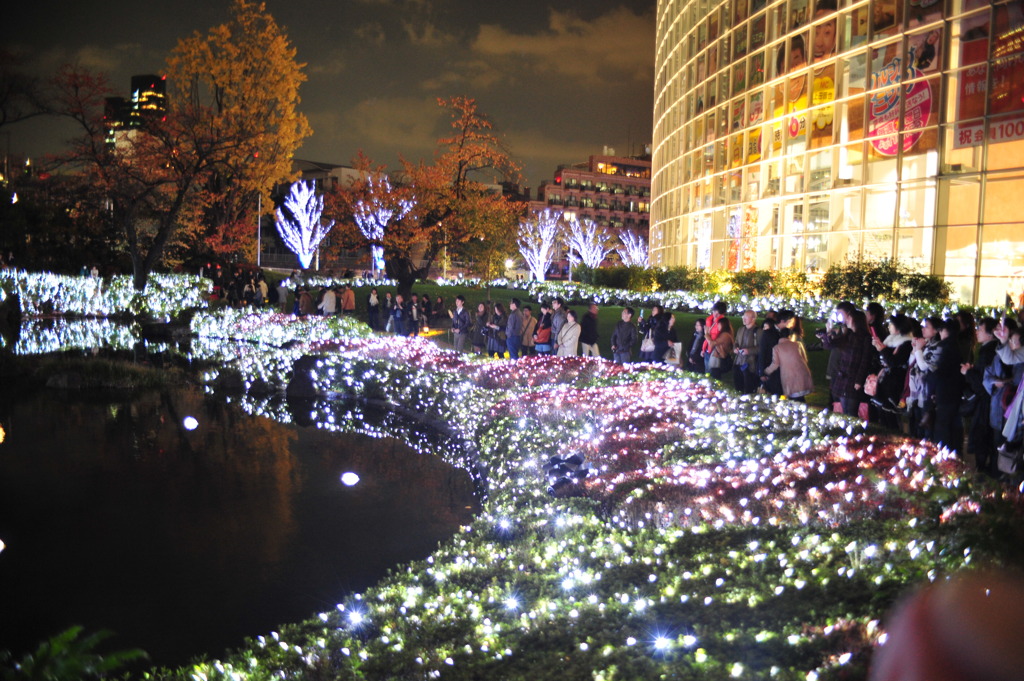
245,73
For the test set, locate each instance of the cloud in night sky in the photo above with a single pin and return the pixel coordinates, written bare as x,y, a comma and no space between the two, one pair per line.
559,84
615,45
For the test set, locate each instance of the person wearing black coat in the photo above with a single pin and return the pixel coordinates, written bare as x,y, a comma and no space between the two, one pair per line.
624,338
978,401
660,327
947,388
695,358
588,332
460,324
769,339
478,333
894,350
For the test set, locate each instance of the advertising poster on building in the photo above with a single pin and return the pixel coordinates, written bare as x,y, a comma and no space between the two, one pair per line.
903,109
742,228
1003,89
757,69
739,13
883,16
739,43
756,116
823,77
791,98
739,78
919,101
757,32
805,103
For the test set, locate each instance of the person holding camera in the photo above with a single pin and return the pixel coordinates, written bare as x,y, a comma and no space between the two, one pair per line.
835,329
854,364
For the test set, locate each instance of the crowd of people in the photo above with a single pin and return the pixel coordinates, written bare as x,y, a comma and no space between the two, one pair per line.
954,381
931,378
240,286
948,380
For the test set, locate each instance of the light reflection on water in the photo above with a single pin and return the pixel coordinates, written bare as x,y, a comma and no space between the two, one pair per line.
185,541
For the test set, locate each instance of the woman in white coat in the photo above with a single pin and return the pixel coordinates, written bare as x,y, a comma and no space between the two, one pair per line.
569,336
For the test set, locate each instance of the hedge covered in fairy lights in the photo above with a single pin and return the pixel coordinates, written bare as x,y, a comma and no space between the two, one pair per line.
166,295
716,535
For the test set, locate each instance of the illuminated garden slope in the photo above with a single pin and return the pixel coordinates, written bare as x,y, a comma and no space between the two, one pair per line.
716,535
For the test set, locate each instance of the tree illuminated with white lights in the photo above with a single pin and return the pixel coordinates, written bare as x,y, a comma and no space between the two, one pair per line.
374,214
634,250
587,243
537,237
298,221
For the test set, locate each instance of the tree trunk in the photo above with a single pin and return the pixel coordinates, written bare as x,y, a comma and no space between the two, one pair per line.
404,272
140,275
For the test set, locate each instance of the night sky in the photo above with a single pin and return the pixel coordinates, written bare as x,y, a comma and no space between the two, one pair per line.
559,80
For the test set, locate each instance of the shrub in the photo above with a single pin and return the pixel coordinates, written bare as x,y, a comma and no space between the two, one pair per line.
753,282
871,279
583,274
919,286
685,278
626,278
794,282
639,278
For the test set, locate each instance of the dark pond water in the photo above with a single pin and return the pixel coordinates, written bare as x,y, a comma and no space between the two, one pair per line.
115,516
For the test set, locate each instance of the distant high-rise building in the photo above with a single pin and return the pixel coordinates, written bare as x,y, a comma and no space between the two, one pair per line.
613,191
116,114
149,97
148,101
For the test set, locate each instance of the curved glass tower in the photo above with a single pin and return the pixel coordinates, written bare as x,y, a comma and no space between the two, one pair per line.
796,134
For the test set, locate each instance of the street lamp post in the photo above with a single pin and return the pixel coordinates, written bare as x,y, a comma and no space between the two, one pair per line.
259,227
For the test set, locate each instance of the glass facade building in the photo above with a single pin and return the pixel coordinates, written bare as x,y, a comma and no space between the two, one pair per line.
796,134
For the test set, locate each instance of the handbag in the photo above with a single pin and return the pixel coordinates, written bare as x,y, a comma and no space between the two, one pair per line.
871,385
647,344
1008,459
968,401
714,362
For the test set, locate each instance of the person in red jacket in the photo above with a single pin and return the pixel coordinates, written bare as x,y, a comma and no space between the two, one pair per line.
711,329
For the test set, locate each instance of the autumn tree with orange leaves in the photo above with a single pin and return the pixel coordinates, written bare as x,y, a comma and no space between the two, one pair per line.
245,74
454,198
148,179
193,175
